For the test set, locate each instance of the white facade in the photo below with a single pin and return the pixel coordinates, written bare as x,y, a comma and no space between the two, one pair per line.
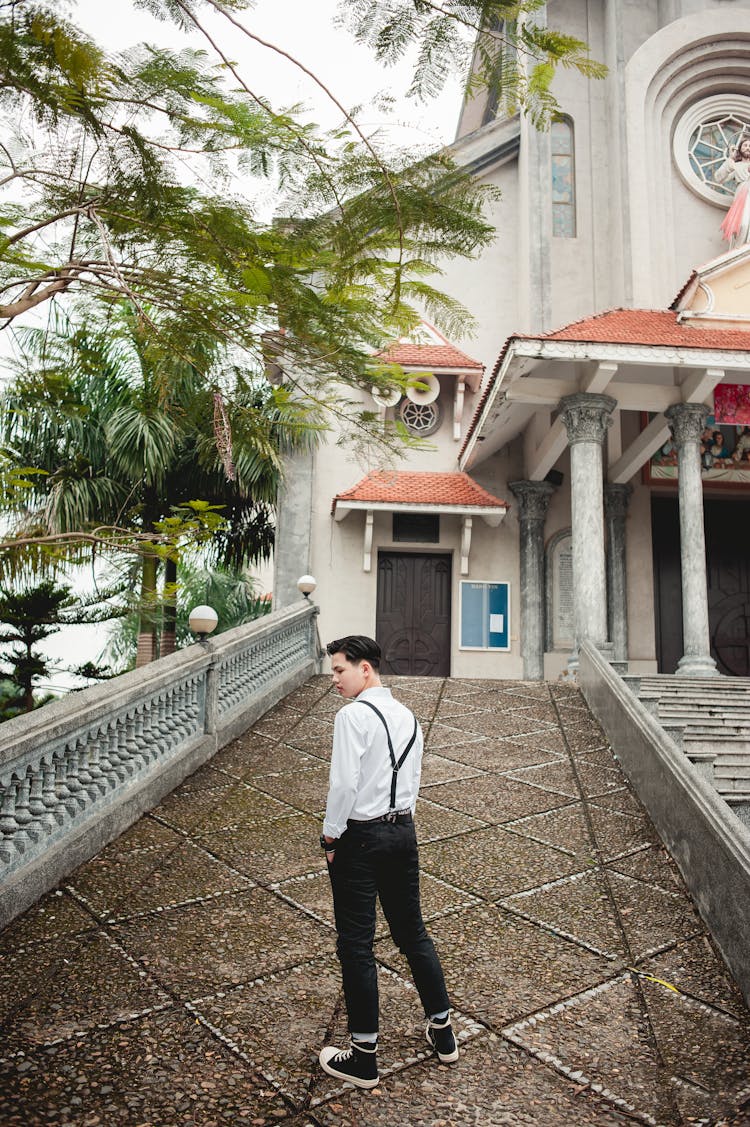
643,222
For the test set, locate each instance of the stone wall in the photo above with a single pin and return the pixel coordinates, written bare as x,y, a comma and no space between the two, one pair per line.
77,772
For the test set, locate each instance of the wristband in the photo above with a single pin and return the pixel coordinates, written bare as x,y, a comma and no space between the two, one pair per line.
328,846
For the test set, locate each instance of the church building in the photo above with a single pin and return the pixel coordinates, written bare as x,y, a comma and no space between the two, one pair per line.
586,471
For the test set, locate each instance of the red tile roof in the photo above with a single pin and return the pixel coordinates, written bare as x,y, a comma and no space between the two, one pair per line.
658,327
432,356
654,327
404,487
683,290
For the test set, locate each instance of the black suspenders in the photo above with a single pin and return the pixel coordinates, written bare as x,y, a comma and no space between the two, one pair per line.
395,764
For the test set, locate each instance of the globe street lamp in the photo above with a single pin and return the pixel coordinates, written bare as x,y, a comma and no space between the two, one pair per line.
202,621
306,584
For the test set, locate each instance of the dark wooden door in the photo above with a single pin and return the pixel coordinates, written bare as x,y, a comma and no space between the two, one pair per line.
413,621
665,534
728,554
727,525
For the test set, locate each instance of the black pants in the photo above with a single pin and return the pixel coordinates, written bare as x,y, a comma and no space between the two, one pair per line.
380,858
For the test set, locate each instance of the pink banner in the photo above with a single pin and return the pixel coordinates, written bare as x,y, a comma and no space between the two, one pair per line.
732,404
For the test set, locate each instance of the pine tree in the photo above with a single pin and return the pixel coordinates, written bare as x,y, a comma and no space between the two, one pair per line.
27,617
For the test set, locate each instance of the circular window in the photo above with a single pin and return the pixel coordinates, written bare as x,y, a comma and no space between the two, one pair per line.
420,418
702,140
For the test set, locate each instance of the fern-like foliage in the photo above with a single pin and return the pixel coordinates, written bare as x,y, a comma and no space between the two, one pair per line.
96,205
504,47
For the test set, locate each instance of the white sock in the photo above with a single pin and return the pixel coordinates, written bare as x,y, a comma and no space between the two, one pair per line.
440,1018
370,1038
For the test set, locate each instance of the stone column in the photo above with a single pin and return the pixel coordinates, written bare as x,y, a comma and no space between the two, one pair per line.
292,543
586,417
616,500
686,421
533,498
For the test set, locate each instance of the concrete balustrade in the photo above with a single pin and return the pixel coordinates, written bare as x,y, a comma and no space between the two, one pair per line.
710,845
77,772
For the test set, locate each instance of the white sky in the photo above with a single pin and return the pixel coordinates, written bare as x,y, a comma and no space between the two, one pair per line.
305,30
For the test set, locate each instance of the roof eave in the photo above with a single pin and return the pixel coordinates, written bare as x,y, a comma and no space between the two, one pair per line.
518,349
492,514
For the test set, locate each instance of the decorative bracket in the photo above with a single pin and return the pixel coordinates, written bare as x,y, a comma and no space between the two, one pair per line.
369,521
465,544
458,406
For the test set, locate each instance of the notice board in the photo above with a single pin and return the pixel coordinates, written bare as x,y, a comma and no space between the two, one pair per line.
485,615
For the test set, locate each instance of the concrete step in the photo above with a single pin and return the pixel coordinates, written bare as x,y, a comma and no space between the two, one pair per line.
671,679
734,787
731,704
705,745
725,733
704,695
738,800
705,723
741,706
721,771
699,685
734,760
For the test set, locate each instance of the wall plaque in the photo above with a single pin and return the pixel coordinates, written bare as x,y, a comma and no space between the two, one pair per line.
560,613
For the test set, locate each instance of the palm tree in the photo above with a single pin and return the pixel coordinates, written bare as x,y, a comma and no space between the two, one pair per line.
234,597
123,434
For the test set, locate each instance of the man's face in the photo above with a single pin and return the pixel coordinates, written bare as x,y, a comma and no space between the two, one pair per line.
348,679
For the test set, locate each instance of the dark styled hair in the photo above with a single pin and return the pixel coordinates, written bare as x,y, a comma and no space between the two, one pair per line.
356,648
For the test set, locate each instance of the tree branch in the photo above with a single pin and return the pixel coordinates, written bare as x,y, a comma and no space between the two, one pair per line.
45,223
295,62
32,296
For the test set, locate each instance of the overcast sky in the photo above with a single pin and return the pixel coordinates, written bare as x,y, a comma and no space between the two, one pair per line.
304,29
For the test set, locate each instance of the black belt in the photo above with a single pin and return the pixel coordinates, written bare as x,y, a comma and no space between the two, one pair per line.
400,816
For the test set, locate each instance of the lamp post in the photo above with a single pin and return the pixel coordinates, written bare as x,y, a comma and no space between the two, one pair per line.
306,584
202,621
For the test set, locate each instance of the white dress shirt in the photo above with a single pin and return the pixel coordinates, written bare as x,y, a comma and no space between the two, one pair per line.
360,778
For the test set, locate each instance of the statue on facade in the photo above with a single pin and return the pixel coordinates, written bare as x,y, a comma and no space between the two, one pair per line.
735,227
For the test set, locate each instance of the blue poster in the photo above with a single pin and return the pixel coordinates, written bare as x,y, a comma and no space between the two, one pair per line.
485,616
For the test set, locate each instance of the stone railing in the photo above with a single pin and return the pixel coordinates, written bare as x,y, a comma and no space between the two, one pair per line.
77,772
709,843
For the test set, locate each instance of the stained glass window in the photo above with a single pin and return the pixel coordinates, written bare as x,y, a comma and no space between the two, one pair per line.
563,180
708,148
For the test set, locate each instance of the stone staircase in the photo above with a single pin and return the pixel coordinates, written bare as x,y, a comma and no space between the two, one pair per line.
709,719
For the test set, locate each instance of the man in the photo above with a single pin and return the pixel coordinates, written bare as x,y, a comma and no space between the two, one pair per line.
371,848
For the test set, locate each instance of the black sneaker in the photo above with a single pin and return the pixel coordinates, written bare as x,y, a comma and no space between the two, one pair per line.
358,1065
442,1038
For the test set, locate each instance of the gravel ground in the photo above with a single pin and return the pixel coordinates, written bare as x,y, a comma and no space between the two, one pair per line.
187,975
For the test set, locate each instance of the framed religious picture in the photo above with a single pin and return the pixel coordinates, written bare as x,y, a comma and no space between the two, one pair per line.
724,447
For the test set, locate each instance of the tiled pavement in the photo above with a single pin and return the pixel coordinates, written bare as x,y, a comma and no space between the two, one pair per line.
187,974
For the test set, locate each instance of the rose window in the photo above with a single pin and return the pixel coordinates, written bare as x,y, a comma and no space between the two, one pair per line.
709,146
420,418
702,139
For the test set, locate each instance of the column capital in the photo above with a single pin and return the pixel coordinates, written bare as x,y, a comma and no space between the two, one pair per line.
586,416
686,421
533,498
617,498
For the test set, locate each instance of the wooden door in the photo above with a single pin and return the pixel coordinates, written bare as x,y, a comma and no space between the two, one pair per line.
727,525
413,619
665,534
728,555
